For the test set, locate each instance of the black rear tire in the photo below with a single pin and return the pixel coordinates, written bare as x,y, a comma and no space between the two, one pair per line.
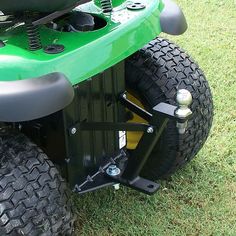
34,199
154,74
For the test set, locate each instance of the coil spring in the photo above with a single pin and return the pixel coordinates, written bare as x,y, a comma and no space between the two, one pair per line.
33,37
106,6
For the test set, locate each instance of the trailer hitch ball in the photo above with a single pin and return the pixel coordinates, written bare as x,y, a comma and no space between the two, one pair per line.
113,170
183,112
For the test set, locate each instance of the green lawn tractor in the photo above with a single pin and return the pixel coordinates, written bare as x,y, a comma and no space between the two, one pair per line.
90,97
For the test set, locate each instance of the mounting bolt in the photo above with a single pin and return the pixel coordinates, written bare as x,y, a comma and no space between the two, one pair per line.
73,130
124,95
150,130
113,170
184,100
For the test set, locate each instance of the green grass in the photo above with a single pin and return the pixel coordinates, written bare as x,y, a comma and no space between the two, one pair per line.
201,198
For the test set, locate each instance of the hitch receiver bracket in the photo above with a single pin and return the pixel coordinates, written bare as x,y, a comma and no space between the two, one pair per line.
129,174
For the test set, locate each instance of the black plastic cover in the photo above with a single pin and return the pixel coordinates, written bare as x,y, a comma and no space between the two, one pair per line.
81,21
172,19
29,99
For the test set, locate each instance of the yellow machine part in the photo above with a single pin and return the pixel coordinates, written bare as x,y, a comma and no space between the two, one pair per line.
133,138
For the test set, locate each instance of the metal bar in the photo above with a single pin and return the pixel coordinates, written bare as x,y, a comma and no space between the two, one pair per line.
165,110
120,126
135,108
99,178
44,20
140,155
140,184
169,111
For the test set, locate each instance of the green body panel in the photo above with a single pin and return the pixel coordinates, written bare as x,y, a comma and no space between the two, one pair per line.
115,3
86,53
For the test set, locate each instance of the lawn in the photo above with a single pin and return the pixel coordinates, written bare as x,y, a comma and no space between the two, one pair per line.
201,198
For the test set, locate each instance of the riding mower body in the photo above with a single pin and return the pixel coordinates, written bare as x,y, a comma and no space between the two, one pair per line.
91,97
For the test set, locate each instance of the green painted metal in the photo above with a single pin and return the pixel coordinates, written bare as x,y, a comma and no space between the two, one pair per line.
86,53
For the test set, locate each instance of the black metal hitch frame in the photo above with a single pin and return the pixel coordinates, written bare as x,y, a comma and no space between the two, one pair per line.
130,167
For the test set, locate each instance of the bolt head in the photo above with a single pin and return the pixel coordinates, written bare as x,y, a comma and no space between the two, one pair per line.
73,130
113,170
184,97
150,130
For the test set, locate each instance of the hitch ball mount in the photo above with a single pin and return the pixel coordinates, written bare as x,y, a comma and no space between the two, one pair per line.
129,173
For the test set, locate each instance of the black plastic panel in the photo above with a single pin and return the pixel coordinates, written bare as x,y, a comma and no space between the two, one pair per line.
30,99
96,100
172,19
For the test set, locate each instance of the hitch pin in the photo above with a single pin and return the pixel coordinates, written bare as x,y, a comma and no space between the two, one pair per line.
183,112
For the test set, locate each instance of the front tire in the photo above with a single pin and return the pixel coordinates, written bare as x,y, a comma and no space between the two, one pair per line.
34,199
153,75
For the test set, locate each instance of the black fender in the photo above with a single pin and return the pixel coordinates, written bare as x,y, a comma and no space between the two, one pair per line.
30,99
172,19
